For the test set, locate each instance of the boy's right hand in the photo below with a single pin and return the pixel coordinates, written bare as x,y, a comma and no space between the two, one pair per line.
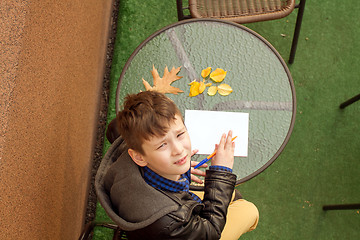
224,152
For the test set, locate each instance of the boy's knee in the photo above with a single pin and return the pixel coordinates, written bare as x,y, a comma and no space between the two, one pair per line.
254,210
253,214
247,211
243,216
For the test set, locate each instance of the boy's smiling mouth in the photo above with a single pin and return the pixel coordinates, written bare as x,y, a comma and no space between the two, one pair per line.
181,161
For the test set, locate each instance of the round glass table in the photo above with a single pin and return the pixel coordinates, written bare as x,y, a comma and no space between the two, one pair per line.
261,82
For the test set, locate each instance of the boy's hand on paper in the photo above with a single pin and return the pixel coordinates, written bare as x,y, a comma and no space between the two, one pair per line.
224,152
196,171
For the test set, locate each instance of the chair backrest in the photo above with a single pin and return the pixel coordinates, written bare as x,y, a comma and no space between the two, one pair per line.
240,11
244,11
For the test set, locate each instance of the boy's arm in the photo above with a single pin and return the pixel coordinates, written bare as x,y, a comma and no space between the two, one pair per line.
219,186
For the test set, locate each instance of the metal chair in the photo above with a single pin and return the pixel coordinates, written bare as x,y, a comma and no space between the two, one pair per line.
344,206
350,101
245,11
341,207
87,233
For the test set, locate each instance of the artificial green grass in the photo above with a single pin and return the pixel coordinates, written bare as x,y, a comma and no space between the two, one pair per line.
320,164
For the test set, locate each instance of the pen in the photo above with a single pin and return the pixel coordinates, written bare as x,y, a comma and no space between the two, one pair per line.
209,157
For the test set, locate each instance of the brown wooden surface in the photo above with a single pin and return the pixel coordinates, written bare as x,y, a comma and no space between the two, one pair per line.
52,63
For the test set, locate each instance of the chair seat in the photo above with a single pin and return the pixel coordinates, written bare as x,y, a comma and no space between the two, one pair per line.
241,11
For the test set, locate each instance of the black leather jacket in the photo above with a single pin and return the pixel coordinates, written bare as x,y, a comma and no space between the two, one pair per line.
149,213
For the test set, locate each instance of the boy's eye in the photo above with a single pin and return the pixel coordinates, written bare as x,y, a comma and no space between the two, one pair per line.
180,134
162,145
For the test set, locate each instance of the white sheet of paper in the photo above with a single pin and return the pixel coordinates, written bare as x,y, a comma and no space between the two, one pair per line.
206,127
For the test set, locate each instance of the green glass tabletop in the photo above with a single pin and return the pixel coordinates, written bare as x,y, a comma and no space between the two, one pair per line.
261,82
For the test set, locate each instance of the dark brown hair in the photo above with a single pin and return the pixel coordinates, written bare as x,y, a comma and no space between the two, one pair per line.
145,115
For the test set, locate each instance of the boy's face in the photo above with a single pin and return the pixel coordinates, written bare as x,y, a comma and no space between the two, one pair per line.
169,156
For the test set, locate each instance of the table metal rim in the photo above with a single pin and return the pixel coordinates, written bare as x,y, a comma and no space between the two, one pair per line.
268,163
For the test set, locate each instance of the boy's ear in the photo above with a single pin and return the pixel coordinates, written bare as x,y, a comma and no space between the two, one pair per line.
137,157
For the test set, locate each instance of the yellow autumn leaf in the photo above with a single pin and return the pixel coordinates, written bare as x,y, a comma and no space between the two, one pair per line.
218,75
202,86
212,90
206,72
194,89
224,89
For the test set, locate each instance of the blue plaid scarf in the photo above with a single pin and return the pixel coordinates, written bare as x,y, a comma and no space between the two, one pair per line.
183,184
159,182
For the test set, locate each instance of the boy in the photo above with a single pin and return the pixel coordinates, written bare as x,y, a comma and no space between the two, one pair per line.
149,183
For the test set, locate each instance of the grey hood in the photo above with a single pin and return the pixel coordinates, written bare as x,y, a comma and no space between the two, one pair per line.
133,203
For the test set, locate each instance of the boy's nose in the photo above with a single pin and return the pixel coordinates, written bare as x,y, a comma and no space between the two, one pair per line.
177,148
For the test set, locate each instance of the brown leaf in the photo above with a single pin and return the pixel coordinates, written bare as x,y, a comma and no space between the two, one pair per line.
163,84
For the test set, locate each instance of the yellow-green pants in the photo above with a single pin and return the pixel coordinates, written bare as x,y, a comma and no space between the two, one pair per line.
242,217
